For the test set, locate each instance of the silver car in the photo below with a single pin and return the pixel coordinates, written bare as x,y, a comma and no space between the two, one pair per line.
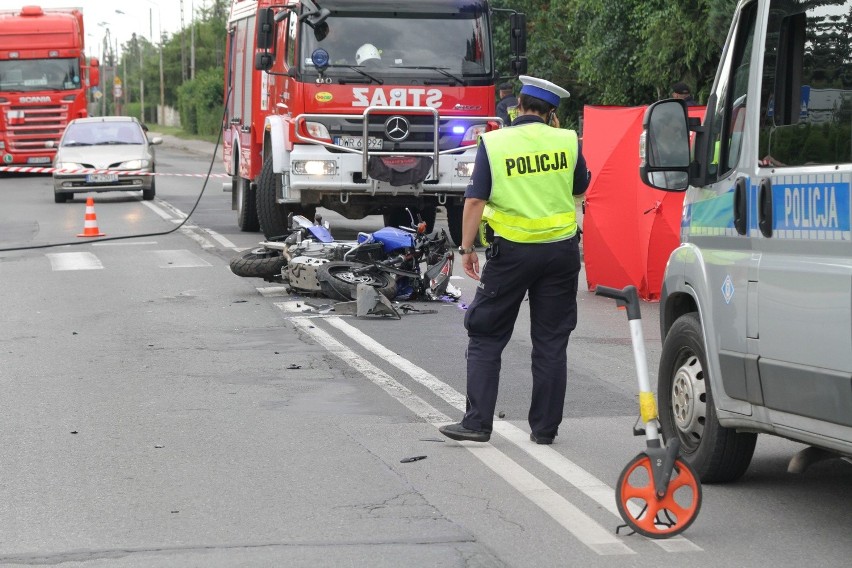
111,143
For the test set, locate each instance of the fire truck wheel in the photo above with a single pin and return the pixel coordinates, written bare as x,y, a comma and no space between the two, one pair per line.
246,205
271,215
454,222
258,263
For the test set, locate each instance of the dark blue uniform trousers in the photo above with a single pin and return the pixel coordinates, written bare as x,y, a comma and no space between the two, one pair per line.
549,273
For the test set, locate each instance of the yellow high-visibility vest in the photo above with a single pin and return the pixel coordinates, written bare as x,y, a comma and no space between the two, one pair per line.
532,182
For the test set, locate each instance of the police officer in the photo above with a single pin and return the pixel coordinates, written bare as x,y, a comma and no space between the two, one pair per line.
507,107
523,186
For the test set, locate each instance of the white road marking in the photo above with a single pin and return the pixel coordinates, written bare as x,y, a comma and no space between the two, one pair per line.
74,261
588,484
201,240
583,527
124,243
157,210
274,291
221,239
179,259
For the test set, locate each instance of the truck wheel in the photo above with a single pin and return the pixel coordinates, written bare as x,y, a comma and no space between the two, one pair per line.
718,454
339,283
246,205
271,215
454,222
258,263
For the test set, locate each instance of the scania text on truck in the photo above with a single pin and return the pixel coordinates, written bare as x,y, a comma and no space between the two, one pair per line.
756,307
359,106
44,79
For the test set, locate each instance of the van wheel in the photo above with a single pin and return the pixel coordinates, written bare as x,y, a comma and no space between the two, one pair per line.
272,215
246,205
687,411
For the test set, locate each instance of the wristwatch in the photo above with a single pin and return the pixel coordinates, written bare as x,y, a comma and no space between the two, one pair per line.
468,250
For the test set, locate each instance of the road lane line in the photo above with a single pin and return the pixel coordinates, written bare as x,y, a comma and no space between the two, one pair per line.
60,261
219,238
572,519
584,481
157,210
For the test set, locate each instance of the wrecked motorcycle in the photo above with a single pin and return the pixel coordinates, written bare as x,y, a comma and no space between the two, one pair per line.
311,261
416,266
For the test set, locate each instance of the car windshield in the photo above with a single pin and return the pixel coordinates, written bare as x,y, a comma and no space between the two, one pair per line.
28,75
450,47
103,133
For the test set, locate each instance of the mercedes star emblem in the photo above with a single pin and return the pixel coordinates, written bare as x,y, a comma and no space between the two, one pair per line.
397,128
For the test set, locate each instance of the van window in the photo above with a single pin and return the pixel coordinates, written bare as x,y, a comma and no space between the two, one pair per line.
731,90
806,91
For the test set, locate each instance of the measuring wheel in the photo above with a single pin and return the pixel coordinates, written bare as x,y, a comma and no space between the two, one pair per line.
653,516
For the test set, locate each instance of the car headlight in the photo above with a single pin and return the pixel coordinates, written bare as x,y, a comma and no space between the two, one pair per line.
134,164
68,166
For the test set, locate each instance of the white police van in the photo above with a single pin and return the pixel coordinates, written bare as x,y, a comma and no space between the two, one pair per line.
756,306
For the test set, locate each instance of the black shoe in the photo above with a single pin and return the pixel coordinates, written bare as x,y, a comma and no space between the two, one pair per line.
459,432
544,440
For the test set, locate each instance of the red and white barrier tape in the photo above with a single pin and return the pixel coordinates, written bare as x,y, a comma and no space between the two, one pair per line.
42,170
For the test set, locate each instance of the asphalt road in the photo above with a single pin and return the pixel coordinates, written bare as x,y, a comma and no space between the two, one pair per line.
159,411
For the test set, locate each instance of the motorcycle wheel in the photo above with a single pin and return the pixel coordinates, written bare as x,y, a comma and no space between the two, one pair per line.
338,282
258,263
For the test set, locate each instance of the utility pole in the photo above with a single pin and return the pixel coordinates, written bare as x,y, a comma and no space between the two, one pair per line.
182,45
192,42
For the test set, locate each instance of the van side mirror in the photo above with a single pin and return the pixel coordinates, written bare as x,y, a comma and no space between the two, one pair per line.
263,61
518,33
265,28
664,146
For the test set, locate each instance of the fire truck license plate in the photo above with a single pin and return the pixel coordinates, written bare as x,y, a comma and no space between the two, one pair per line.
39,160
357,142
101,178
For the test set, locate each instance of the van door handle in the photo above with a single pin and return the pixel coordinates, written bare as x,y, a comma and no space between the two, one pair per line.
764,207
741,206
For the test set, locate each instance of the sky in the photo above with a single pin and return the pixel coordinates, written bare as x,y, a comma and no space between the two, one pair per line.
140,16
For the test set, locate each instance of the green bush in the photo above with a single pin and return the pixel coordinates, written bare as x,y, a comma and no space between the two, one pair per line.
200,102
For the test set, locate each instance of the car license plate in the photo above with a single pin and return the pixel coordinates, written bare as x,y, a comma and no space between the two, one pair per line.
357,142
101,178
39,160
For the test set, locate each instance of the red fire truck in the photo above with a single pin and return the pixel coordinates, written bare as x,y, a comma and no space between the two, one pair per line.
359,106
44,78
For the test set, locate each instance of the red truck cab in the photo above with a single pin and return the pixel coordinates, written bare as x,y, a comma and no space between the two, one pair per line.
44,78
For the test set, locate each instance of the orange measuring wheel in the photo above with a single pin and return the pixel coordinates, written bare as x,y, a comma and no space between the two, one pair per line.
653,516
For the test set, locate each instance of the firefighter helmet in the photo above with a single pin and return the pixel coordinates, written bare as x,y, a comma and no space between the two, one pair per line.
367,52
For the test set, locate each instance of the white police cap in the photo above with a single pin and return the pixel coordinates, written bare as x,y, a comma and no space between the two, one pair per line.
544,90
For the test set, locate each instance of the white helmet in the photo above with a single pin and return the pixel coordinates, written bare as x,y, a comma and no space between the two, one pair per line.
366,52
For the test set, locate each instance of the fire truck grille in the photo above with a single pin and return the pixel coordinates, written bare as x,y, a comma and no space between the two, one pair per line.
38,125
420,137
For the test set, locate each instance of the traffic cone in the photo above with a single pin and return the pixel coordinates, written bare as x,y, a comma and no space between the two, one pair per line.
90,228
